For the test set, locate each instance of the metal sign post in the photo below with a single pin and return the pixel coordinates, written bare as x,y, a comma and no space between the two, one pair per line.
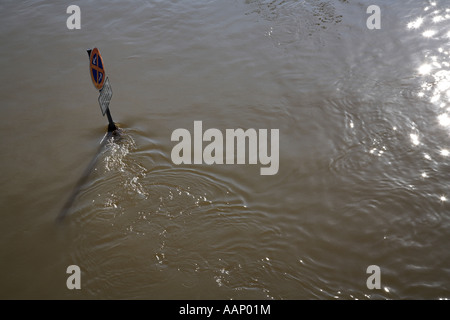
101,83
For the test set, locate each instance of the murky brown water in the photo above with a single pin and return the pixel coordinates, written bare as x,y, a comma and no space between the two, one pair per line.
364,159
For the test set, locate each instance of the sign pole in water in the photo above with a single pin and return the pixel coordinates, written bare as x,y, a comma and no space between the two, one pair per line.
101,83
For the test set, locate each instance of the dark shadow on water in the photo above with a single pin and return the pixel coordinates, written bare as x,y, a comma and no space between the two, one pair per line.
87,172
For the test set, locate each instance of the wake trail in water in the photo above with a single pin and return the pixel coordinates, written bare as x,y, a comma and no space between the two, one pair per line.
84,178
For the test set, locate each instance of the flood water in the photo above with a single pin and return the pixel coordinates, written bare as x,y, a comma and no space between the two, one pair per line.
364,150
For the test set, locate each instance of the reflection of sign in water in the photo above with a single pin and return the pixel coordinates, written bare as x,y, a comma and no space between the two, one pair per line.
96,69
105,96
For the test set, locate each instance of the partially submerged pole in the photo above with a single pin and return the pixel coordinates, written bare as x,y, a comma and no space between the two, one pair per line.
111,126
101,82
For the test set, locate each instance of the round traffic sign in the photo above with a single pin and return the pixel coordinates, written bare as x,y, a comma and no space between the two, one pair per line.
96,69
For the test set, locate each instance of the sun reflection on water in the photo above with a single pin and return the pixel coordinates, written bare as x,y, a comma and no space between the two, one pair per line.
435,67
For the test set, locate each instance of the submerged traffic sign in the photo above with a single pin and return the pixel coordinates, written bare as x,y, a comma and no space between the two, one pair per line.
97,72
105,96
96,69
